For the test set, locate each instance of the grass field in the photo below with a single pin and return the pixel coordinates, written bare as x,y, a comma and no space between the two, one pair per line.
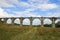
16,32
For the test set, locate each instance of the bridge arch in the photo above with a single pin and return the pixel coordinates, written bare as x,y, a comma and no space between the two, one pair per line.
26,21
57,23
1,20
36,21
17,21
9,21
58,20
47,21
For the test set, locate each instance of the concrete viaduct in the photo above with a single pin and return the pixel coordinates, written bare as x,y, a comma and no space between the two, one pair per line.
53,19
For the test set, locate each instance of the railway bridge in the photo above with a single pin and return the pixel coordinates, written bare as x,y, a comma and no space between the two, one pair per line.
53,19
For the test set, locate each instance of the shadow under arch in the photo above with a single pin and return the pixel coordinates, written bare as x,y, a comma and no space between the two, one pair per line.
26,21
47,23
57,23
2,20
9,21
17,21
36,22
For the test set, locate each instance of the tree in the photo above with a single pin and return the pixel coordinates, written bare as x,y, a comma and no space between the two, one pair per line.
58,24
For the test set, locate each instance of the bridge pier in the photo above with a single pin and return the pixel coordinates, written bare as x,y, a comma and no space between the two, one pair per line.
53,22
31,21
13,19
42,22
5,20
21,21
0,20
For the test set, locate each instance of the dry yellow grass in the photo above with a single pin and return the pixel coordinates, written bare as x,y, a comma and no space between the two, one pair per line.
16,32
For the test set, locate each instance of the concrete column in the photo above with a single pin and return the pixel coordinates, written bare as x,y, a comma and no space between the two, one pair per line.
53,22
42,23
21,21
31,21
13,19
5,20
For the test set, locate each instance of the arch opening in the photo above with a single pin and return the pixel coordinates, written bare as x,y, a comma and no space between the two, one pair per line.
2,19
58,20
57,23
9,21
47,23
26,21
36,22
17,21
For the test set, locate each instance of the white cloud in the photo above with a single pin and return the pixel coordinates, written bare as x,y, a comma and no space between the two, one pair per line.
33,4
2,13
16,2
47,6
36,2
24,4
26,14
56,14
41,4
4,3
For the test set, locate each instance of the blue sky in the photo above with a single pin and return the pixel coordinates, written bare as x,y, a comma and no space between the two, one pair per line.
35,8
